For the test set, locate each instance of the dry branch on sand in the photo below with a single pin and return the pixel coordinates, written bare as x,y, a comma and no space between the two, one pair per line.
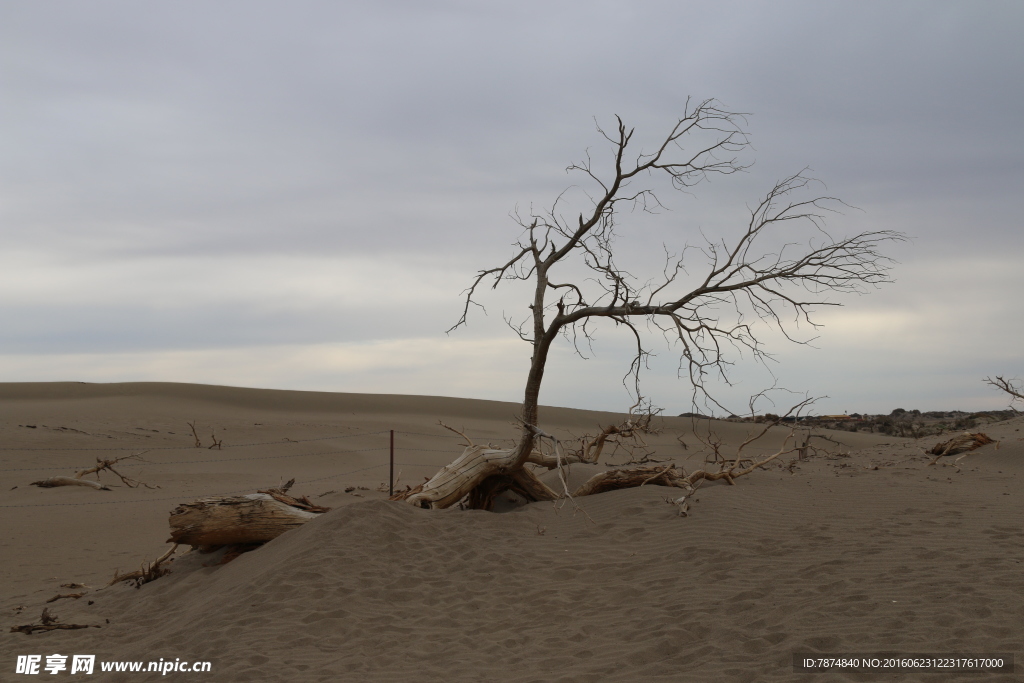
241,520
960,444
1012,387
48,622
218,444
634,477
149,571
100,466
628,436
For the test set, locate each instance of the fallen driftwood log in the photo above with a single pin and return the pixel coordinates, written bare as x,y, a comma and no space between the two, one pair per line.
240,520
960,444
101,465
48,622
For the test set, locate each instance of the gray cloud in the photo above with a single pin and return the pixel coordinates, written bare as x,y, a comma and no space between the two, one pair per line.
393,131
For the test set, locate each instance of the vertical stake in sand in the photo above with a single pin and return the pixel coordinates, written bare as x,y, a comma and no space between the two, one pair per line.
391,475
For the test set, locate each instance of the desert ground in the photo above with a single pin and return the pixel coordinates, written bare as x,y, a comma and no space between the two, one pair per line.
861,547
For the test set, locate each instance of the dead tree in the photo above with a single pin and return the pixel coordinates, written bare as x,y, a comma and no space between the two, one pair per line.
744,279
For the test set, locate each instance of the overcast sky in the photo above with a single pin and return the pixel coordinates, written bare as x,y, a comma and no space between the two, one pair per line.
294,194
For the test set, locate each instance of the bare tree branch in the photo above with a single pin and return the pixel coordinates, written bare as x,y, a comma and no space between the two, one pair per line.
1012,387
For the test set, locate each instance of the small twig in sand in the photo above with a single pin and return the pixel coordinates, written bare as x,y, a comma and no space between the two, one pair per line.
192,424
384,488
148,572
683,507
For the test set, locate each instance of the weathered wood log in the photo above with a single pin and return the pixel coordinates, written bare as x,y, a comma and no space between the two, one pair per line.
254,518
69,481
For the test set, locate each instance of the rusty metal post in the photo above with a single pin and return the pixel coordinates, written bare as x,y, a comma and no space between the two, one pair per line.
391,476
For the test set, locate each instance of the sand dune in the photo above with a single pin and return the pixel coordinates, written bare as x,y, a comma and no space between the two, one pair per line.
863,550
